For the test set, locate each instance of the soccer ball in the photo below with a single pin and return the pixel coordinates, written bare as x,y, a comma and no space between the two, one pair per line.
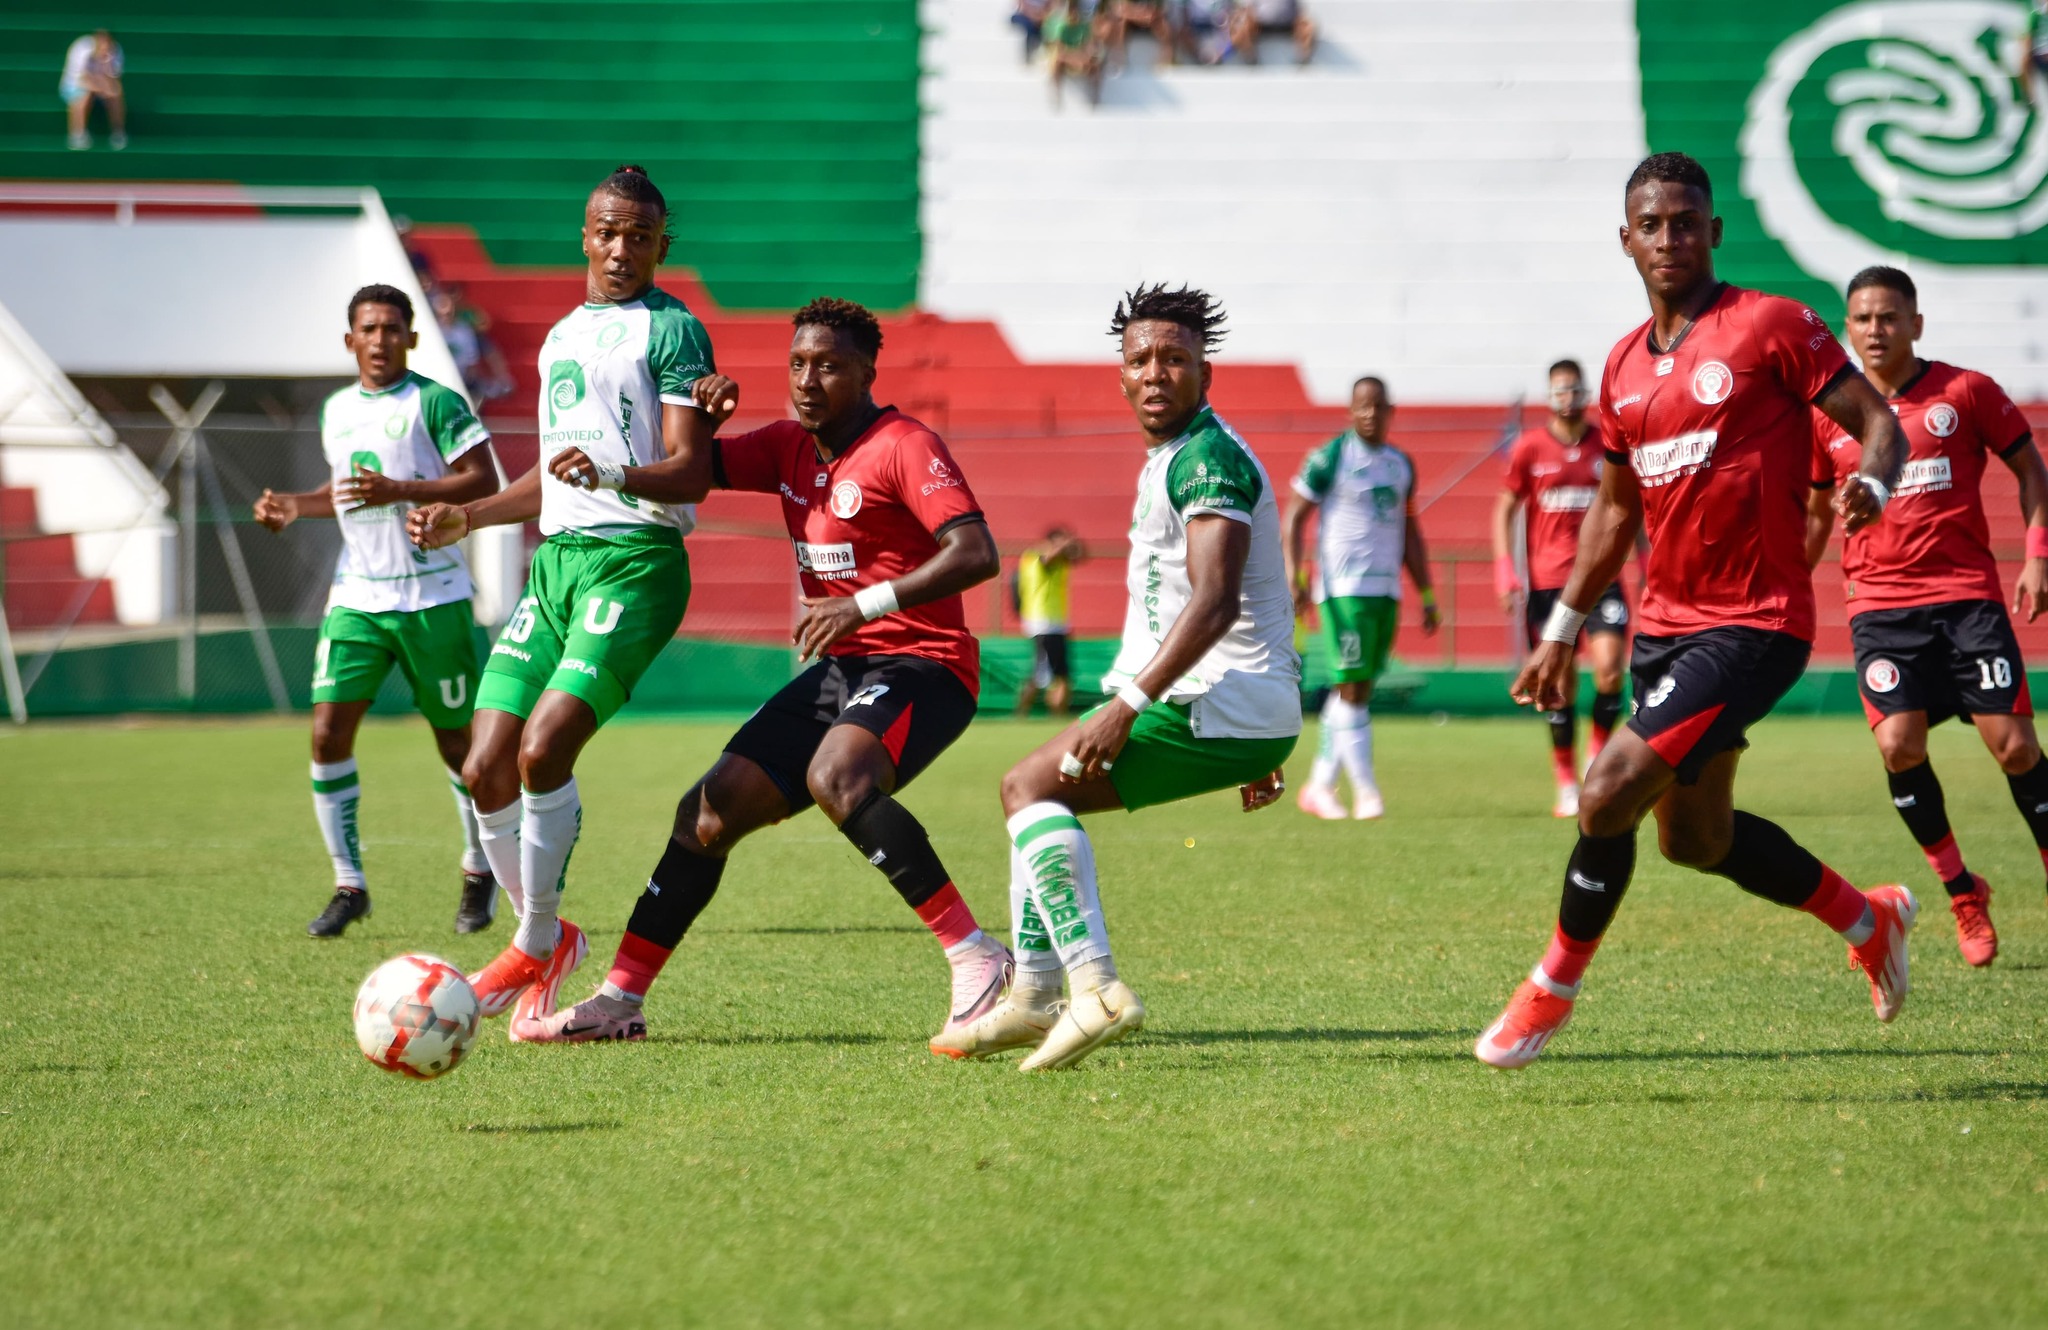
417,1016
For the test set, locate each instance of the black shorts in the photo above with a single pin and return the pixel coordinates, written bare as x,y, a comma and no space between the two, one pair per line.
1049,661
1957,659
1609,613
1697,694
917,707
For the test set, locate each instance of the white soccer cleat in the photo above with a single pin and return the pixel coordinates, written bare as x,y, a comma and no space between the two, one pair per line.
1567,804
980,974
1095,1018
1367,806
1317,801
1006,1026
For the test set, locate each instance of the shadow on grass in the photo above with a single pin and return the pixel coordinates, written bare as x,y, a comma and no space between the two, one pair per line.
1296,1035
537,1128
1982,1092
822,932
1776,1055
57,1068
829,1038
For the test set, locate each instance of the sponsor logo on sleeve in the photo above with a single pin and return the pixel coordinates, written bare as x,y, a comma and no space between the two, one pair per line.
1667,460
1881,676
845,500
1711,383
1941,420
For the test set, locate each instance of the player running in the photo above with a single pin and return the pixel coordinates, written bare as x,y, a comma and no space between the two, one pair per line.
1554,470
1364,490
887,536
1704,413
608,584
1932,638
1207,688
394,439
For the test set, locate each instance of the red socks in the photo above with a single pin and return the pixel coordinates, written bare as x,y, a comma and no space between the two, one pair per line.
1561,762
1834,902
637,965
1944,858
948,917
1565,963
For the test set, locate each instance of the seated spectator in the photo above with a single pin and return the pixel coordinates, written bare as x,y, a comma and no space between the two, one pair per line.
1076,49
1144,15
1205,31
1029,17
92,73
1251,20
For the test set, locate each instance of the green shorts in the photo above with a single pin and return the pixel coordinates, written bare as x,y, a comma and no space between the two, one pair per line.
1164,762
434,648
1358,633
596,612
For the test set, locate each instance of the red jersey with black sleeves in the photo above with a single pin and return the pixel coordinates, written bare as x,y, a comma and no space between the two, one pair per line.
1718,432
1556,482
868,516
1933,544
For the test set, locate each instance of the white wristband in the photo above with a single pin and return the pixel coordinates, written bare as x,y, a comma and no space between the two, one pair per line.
610,475
876,601
1134,697
1563,624
1878,490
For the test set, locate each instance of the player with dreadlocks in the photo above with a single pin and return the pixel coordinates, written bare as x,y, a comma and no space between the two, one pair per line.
887,535
1207,686
608,584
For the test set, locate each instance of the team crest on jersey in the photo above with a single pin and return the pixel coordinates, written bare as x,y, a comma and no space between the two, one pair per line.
1711,383
1941,420
611,335
394,425
1881,677
845,500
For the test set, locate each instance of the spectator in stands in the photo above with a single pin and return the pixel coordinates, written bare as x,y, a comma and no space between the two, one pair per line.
1254,18
1151,16
1075,44
1205,30
465,329
1040,588
92,73
1029,18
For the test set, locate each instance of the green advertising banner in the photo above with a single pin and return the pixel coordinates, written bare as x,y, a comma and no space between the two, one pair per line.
1842,135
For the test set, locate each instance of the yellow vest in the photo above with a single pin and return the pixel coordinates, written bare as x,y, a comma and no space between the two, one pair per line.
1042,594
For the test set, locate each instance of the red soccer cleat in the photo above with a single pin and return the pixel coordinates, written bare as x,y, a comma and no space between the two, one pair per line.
540,1000
1534,1014
499,984
1975,936
1883,957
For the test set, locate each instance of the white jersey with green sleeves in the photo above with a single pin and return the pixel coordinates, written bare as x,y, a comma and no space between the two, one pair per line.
1362,491
605,370
1249,684
409,431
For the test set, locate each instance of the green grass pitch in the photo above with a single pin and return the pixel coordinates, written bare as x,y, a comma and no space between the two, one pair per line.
1725,1136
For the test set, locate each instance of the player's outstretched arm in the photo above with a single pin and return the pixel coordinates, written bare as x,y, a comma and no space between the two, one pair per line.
1507,583
1415,558
1820,524
278,511
470,476
1861,410
438,524
1217,550
2030,592
967,557
1612,521
684,476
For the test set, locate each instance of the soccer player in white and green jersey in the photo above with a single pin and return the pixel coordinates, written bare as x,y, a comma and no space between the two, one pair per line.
608,585
392,439
1207,687
1363,489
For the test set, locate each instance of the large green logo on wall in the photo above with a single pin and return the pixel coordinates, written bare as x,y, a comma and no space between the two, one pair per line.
1870,132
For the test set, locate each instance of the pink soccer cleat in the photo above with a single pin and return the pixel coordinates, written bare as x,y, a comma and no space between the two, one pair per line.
1975,936
1319,802
1517,1039
980,974
589,1021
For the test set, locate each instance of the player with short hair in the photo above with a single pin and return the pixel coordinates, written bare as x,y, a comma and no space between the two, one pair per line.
1363,490
1207,688
1704,412
1043,572
887,537
608,585
392,439
1932,638
1553,472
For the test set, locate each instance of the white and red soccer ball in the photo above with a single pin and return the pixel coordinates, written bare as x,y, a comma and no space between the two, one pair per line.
417,1016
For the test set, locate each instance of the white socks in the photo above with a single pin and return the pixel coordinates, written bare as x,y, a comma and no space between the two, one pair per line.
547,833
497,836
1348,729
473,860
1323,775
336,792
1035,983
1060,866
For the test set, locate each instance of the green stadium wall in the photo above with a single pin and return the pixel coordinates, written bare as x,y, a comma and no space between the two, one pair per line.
784,131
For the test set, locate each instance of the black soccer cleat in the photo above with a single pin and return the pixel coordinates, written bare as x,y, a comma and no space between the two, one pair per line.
343,910
479,903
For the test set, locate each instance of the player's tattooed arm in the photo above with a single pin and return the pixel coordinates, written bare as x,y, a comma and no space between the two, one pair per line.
2030,591
1612,523
278,511
967,557
684,476
1861,410
434,525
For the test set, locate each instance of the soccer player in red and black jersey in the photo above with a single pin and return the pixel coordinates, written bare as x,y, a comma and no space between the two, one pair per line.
887,536
1705,414
1554,471
1925,607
